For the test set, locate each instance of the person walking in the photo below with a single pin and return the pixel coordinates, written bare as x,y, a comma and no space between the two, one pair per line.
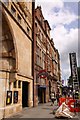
52,97
57,97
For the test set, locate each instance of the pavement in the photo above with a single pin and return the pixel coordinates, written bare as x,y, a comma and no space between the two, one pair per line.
41,111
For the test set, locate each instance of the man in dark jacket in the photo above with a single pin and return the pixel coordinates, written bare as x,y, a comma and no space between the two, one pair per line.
57,97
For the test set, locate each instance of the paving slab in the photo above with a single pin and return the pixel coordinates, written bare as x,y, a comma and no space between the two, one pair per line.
42,111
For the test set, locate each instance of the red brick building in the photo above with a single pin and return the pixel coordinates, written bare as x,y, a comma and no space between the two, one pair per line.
45,57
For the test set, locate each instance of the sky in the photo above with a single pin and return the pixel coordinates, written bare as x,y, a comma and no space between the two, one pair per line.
64,21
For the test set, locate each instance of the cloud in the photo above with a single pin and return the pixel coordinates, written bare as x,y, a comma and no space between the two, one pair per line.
63,16
47,6
65,40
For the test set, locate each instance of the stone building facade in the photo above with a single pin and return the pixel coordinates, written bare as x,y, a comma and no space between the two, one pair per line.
45,59
16,81
29,61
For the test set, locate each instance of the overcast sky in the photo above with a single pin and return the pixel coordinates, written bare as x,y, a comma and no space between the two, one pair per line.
63,19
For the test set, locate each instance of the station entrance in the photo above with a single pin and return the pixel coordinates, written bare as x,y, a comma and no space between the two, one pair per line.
42,95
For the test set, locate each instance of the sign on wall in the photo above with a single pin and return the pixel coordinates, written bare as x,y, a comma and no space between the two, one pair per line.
9,97
73,64
74,74
15,96
42,74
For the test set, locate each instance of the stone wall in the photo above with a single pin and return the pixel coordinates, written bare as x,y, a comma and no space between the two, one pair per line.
24,49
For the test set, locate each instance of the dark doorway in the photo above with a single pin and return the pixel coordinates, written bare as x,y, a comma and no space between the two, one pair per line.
49,89
42,95
25,94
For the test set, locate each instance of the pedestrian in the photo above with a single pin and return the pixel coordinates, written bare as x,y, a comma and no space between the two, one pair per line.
52,97
57,97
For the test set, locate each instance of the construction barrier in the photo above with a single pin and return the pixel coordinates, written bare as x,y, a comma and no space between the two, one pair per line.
73,106
72,103
61,100
68,99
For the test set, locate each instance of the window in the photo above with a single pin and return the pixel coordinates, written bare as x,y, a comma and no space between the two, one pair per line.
19,18
19,84
15,84
43,60
52,55
40,62
48,64
40,18
36,28
9,98
28,30
44,40
41,36
36,24
37,49
15,99
13,11
38,58
48,46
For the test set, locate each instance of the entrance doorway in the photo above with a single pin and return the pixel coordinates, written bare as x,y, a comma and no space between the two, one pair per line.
25,94
42,95
49,90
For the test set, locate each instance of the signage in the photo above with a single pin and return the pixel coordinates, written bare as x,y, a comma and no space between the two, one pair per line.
42,81
42,74
15,96
74,74
9,97
42,86
73,64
